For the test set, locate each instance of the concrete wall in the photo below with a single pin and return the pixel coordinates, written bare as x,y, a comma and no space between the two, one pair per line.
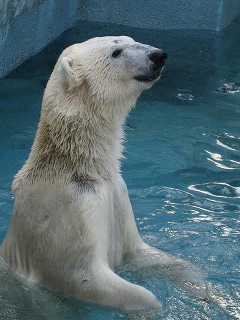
162,14
228,11
26,26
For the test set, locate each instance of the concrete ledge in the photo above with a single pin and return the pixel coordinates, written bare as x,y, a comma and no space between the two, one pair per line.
10,9
153,14
27,26
161,14
228,11
25,32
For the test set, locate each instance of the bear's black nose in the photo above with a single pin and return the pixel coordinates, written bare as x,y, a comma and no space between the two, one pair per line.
158,57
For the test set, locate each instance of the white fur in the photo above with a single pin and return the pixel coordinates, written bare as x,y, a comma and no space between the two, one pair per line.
73,221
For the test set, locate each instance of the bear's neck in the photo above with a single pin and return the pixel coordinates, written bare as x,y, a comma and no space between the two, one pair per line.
83,144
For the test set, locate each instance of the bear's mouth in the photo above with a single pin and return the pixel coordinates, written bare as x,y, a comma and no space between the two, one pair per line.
149,77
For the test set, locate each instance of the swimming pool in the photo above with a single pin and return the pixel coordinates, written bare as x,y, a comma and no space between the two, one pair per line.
182,168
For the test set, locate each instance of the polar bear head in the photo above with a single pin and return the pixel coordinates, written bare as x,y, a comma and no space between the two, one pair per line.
107,70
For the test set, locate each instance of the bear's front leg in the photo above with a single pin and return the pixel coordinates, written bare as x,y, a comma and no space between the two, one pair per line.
105,287
93,279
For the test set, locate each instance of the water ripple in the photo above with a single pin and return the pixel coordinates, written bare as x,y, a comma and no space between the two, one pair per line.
233,87
173,200
227,156
228,141
217,189
185,96
162,192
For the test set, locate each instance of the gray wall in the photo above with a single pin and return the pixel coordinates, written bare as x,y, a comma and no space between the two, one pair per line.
228,11
27,26
163,14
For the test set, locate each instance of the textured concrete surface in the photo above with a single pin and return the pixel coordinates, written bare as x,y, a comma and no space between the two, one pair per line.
10,9
27,26
228,11
154,14
161,14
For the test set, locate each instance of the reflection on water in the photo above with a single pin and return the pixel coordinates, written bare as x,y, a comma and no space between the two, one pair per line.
217,189
185,96
182,168
225,159
229,88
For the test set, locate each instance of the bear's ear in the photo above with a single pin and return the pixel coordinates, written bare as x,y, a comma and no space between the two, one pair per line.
67,71
66,66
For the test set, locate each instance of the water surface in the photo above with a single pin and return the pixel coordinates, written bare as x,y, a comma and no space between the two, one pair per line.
182,168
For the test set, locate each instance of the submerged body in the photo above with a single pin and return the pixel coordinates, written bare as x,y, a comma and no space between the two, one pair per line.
73,222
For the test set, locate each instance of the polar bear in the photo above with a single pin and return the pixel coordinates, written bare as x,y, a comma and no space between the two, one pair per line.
72,222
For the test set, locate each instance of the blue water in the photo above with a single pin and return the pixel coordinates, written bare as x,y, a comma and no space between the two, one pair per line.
182,169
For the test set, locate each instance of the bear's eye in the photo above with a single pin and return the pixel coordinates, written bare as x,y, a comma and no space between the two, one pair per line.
116,53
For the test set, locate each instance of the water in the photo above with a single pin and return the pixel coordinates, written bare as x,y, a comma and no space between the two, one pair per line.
182,169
